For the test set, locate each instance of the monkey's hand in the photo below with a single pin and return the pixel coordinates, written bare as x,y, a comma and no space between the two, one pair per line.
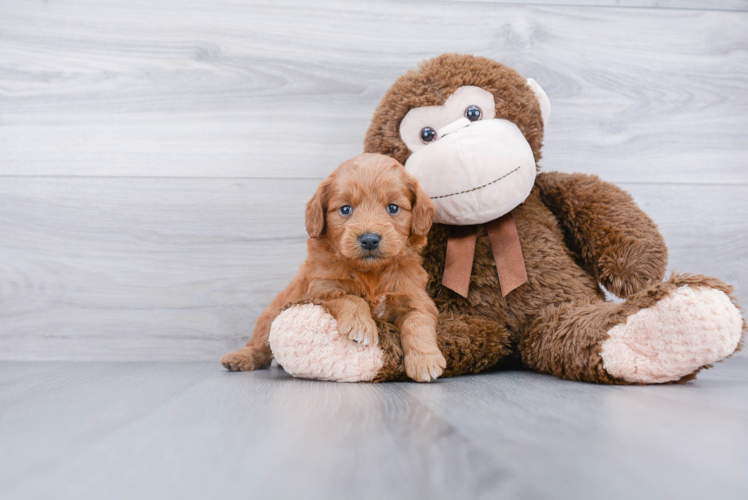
606,229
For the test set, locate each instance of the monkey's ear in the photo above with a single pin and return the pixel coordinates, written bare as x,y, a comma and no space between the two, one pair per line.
316,210
422,210
545,103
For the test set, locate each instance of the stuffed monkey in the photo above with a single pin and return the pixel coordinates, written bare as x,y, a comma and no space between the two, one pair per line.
515,257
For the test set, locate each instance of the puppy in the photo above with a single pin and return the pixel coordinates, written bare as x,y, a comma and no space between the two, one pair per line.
367,224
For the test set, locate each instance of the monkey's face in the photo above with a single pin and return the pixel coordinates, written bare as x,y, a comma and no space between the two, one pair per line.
475,151
474,166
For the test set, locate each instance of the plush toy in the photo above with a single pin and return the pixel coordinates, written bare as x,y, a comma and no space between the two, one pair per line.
515,257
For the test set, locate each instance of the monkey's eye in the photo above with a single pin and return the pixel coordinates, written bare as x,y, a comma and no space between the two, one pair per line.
473,113
428,135
346,210
393,209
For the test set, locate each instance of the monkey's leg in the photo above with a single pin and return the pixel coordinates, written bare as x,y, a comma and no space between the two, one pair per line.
470,344
665,333
307,344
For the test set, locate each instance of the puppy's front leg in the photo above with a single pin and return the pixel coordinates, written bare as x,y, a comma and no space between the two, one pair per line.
354,318
423,360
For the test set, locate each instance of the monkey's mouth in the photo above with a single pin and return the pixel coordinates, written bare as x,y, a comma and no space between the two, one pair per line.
475,174
477,188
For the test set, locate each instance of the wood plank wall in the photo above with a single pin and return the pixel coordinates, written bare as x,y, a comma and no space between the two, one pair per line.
155,156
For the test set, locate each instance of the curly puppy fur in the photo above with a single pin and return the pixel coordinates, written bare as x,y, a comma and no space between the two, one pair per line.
357,284
575,231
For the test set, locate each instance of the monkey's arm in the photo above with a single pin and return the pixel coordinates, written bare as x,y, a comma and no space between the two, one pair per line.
603,225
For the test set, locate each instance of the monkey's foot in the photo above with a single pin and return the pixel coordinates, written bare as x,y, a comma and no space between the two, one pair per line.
688,329
306,343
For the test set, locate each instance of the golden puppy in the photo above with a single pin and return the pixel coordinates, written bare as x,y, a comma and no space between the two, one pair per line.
367,224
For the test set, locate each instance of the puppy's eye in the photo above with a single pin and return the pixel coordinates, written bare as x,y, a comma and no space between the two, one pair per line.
428,135
346,210
393,209
473,113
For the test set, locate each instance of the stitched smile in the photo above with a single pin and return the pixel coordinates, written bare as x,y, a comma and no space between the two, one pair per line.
476,188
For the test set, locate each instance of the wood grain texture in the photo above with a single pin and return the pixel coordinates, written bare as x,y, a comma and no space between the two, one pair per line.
192,430
179,269
184,264
287,88
156,156
740,5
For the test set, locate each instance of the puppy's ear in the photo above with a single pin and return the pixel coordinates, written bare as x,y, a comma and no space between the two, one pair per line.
316,210
422,210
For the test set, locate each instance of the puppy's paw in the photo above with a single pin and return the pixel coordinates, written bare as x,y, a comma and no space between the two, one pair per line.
359,328
245,360
424,367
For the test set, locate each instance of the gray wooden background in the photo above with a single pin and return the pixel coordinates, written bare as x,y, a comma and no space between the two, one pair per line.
156,155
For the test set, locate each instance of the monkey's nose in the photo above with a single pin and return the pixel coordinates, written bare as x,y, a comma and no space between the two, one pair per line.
452,127
369,241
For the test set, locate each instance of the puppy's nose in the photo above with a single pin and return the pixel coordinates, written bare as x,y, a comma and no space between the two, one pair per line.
369,241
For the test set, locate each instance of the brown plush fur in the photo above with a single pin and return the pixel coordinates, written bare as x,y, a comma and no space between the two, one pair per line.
562,338
357,285
575,231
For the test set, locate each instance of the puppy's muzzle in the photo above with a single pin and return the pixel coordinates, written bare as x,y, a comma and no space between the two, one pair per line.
369,241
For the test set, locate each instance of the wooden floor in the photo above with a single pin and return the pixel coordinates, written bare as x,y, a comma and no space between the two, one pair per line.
84,430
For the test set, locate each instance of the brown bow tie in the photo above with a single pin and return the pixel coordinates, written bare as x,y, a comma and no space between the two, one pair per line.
507,253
